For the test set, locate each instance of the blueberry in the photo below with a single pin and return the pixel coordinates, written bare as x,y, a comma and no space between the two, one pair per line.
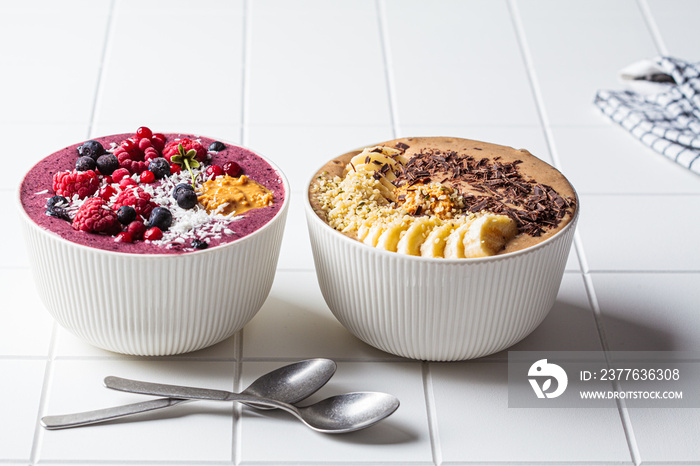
161,218
199,244
217,146
126,214
59,201
180,187
85,163
160,167
58,212
92,149
186,198
106,164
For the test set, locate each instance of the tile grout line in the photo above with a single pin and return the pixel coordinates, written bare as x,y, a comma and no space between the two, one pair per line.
44,397
103,60
436,451
246,26
652,26
386,58
588,282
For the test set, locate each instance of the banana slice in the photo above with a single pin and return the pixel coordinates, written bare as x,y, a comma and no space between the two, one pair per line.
410,243
487,235
434,244
373,234
454,244
389,239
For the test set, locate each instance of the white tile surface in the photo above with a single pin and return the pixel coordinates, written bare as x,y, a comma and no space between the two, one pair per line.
302,81
295,322
610,235
193,432
19,406
471,405
606,160
330,51
441,73
25,324
675,21
578,48
651,312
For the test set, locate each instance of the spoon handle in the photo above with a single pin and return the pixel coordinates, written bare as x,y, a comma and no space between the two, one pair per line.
190,393
64,421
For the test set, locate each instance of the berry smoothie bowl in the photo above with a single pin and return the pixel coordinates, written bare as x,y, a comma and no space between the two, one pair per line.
153,243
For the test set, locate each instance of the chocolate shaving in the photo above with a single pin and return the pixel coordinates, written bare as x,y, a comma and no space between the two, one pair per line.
533,206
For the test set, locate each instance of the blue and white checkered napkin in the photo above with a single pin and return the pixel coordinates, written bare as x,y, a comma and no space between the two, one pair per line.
661,107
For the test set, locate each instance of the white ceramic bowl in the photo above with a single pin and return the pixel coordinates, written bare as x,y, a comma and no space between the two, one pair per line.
152,304
437,309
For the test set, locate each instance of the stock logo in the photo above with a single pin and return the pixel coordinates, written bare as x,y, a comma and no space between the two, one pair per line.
543,371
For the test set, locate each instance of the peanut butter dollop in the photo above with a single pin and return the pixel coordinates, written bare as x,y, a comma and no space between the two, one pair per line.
233,195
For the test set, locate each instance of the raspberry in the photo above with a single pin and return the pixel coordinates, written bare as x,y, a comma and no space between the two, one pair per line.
95,216
137,198
119,174
126,182
187,144
69,183
106,192
135,152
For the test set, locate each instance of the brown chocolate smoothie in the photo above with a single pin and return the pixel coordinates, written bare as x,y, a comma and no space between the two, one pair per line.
441,181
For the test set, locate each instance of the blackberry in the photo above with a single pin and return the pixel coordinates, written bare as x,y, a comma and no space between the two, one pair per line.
199,244
186,198
106,164
85,163
92,149
126,214
159,167
160,217
217,146
180,187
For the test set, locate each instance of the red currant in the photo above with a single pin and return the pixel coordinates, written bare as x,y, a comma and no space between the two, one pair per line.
144,132
232,168
175,168
123,237
147,176
126,182
153,234
108,179
213,171
136,229
119,173
106,192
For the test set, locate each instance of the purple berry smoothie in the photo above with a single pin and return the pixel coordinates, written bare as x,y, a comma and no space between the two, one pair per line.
37,187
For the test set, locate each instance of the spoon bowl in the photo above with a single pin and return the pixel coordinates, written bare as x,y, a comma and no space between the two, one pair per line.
288,384
338,414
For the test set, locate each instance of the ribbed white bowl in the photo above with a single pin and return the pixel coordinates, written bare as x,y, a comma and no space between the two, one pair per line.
437,309
149,304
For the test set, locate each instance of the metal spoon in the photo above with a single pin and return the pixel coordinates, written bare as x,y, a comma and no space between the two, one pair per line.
338,414
290,384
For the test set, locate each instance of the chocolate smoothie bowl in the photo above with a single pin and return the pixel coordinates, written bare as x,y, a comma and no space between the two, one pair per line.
440,249
153,244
